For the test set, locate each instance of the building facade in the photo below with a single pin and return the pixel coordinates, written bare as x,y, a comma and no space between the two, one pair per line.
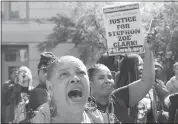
21,34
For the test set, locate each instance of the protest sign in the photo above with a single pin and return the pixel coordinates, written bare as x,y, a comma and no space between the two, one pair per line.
124,31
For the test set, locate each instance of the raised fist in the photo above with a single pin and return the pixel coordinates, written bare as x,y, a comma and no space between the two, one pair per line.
149,40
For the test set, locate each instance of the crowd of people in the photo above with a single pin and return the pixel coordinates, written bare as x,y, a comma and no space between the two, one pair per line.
68,92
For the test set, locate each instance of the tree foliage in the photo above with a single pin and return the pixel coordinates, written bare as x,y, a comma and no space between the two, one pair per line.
86,30
83,29
165,22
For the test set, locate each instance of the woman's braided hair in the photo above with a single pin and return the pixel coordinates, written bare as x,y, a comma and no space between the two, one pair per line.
46,59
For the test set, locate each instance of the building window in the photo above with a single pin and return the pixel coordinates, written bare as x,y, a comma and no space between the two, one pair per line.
15,53
18,10
15,11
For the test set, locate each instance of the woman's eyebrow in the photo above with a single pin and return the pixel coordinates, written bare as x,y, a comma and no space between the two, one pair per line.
100,75
59,70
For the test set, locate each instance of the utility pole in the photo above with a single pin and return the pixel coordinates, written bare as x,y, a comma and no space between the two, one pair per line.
27,11
7,10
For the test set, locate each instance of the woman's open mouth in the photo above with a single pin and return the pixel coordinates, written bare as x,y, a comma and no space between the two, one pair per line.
75,95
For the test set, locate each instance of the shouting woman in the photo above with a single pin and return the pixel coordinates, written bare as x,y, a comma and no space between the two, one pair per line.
68,86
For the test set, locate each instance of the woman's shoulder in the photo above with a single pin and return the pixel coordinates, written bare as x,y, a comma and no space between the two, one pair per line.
172,79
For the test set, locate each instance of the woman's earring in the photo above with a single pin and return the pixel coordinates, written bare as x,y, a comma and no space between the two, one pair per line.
91,104
53,108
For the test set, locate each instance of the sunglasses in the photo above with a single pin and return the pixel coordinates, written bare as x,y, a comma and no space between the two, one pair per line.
44,69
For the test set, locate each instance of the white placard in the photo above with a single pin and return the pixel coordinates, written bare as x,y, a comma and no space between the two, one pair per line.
124,31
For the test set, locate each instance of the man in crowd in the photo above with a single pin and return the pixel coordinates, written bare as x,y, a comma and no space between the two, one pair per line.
161,93
158,72
160,87
155,98
172,84
7,109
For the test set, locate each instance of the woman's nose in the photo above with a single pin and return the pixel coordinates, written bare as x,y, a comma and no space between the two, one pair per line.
75,79
140,68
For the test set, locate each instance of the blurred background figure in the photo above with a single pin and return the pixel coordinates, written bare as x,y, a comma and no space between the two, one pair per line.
6,109
172,84
21,92
158,72
16,96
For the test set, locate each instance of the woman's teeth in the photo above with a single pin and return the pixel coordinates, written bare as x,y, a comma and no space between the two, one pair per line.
75,93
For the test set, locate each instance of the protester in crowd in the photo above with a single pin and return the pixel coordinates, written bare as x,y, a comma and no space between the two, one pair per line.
18,93
158,72
69,87
172,84
155,99
161,94
159,85
129,72
23,92
6,108
39,95
102,86
44,63
131,68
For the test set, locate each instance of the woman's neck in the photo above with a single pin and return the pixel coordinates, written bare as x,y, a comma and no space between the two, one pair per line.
103,100
68,118
176,76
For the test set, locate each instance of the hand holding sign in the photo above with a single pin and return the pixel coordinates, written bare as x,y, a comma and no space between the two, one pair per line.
150,38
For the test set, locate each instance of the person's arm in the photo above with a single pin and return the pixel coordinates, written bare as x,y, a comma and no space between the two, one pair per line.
121,96
161,91
4,90
10,95
138,89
